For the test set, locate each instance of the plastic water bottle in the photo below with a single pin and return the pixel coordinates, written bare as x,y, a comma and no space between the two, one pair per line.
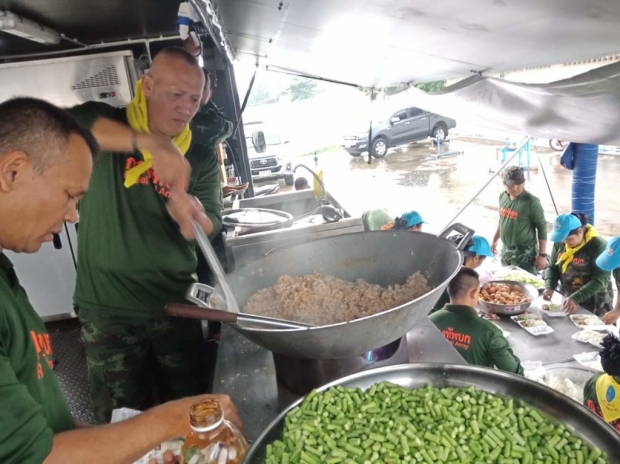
213,440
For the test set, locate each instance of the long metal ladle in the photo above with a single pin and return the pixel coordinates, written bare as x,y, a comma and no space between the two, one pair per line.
230,301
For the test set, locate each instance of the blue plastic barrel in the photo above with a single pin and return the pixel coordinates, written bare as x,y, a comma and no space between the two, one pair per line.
585,158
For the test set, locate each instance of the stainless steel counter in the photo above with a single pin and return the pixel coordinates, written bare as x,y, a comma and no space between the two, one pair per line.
246,372
553,348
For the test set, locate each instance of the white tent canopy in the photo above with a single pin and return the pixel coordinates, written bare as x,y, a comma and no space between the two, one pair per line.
378,43
584,108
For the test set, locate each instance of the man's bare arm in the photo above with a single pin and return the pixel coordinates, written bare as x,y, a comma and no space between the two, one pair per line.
129,440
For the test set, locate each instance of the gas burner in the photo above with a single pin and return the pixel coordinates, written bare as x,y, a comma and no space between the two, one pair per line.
300,376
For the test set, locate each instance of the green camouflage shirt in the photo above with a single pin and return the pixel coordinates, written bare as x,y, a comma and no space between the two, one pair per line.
584,282
522,220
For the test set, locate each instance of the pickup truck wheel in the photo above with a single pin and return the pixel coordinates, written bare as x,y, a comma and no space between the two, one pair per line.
380,147
440,131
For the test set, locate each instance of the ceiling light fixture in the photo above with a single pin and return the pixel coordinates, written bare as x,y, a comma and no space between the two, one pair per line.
22,27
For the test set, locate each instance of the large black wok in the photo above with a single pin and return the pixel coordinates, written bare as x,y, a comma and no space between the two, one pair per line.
382,257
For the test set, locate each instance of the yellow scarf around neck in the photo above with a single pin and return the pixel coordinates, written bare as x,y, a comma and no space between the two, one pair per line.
138,118
567,257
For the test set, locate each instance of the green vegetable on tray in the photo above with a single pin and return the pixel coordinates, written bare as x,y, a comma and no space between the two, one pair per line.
552,307
521,277
391,424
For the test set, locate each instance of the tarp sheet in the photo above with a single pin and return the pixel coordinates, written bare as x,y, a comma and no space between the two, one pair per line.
584,108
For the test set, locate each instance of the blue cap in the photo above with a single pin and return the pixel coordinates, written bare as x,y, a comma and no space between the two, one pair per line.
481,246
609,259
413,218
562,226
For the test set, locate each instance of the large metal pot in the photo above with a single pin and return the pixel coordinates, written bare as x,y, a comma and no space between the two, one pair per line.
578,419
382,257
511,309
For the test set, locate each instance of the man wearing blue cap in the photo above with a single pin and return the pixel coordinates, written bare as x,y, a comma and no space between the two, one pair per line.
609,260
522,225
476,251
573,264
380,219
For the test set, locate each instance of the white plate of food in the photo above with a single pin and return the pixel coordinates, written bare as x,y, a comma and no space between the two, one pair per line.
526,316
536,327
590,359
488,316
588,321
553,309
588,336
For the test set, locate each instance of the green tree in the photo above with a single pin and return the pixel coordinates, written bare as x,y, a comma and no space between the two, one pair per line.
302,89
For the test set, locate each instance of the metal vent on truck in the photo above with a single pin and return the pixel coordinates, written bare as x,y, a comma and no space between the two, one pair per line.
104,78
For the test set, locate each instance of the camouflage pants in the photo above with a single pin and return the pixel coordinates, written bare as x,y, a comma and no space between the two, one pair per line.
134,361
523,257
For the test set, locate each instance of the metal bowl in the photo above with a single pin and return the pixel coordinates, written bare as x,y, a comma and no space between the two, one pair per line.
577,374
510,309
577,418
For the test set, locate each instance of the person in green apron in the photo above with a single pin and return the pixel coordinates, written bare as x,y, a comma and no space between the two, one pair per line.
609,260
573,264
476,251
601,393
380,219
522,225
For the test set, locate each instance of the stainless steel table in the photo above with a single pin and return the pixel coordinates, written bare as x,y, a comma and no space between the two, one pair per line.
553,348
246,372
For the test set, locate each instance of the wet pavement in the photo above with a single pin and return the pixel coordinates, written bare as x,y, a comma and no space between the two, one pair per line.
410,178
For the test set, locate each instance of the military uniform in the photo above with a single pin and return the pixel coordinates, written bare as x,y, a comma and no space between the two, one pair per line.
132,261
32,403
601,395
522,224
477,340
583,281
376,219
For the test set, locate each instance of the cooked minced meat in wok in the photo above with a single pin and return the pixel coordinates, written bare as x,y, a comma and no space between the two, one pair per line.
322,300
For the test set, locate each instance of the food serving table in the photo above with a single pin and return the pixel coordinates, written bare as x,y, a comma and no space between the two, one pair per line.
246,372
555,347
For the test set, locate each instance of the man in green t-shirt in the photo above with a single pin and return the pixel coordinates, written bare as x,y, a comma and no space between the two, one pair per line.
45,167
133,255
477,340
522,225
601,393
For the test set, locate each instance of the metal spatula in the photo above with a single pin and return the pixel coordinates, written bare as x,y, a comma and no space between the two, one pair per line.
216,267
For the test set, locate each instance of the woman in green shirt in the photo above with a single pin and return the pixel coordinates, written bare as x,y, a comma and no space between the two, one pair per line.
573,265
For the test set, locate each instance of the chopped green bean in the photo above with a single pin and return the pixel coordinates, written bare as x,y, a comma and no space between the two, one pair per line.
390,424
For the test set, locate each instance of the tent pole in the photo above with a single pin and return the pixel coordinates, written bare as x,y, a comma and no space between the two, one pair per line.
372,95
502,167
